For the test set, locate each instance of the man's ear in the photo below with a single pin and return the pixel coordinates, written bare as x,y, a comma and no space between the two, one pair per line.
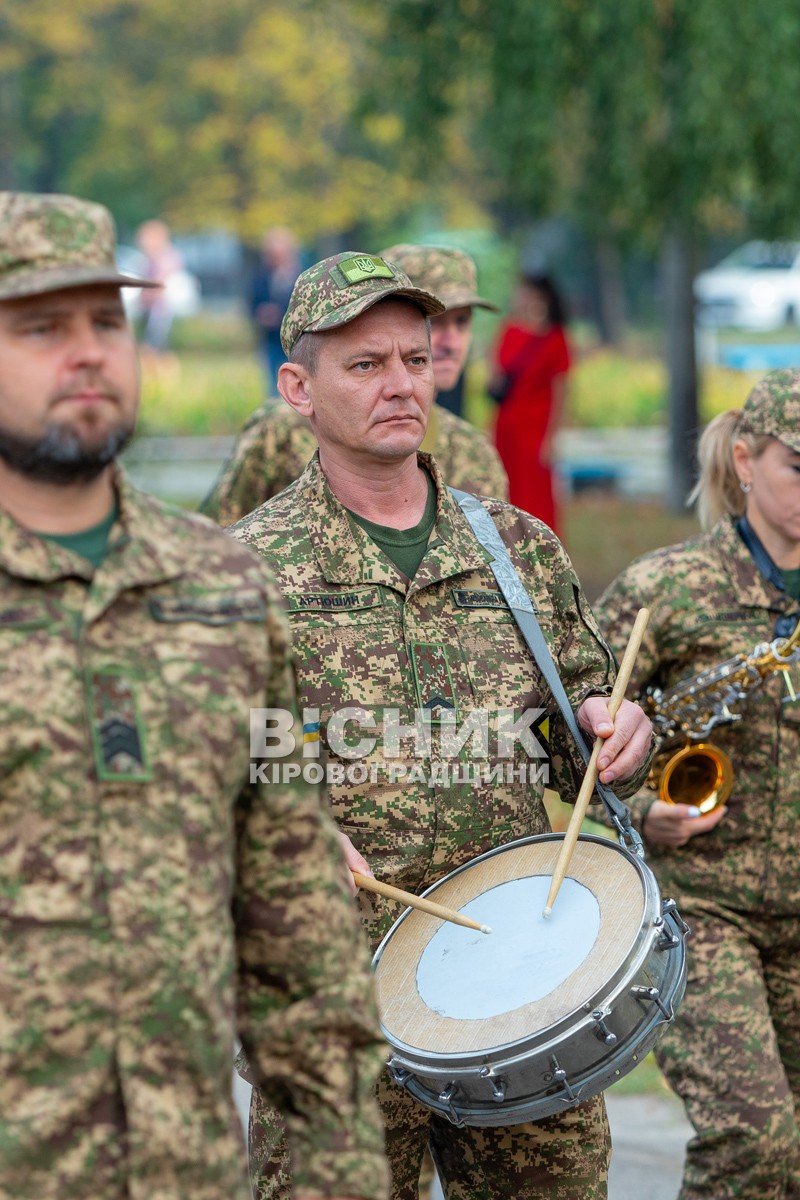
292,380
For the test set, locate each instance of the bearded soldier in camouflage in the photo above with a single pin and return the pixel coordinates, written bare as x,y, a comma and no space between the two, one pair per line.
394,607
733,1052
153,902
277,442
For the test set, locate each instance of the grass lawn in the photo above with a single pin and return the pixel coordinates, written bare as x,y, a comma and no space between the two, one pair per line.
603,533
213,380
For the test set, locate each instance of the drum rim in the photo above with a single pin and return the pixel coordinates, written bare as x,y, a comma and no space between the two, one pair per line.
639,951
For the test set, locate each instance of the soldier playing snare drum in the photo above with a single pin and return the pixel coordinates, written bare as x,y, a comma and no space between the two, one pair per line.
394,611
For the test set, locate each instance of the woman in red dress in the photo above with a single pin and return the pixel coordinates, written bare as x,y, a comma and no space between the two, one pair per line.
532,350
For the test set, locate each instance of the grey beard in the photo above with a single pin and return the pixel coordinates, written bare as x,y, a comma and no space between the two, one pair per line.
60,455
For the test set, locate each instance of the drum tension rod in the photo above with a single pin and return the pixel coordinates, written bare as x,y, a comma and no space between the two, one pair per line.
652,993
399,1074
560,1076
450,1111
668,941
602,1031
669,907
498,1085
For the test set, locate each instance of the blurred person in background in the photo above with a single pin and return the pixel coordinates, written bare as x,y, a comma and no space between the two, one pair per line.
177,293
277,443
529,379
270,289
733,1051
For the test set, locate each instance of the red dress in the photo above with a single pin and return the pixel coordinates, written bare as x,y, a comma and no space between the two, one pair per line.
525,415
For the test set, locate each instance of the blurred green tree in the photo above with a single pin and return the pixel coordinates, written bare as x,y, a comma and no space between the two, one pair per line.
659,121
238,114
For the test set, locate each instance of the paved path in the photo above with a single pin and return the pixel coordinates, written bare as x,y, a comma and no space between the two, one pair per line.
649,1135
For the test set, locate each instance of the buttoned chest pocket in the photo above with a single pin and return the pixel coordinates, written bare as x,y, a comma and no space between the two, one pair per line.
40,686
351,653
360,659
691,647
500,666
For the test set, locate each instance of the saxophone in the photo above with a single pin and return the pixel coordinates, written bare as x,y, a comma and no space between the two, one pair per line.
687,768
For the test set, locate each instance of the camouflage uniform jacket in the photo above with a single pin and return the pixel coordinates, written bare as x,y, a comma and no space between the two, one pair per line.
277,443
154,903
708,602
367,637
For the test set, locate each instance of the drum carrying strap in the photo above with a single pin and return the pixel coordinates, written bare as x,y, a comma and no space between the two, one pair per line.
523,611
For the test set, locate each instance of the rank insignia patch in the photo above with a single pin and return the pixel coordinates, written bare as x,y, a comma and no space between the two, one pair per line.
117,731
434,681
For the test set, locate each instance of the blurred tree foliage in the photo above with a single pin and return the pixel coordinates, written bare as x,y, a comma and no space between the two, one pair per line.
649,121
242,114
629,115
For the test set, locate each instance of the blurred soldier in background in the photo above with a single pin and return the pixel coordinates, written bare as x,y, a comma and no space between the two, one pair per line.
270,290
154,903
277,443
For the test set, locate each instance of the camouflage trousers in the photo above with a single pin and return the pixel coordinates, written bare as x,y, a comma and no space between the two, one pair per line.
564,1157
733,1054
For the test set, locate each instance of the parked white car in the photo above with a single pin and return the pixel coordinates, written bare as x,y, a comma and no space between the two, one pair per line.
755,287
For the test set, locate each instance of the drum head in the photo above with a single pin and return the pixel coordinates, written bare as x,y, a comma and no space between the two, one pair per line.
448,990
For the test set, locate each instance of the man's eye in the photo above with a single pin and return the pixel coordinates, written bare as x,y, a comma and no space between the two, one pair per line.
419,360
363,366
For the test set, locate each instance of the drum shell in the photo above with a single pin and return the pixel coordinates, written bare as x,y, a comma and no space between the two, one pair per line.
584,1052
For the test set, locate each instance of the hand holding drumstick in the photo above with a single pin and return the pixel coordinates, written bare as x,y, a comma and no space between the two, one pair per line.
363,877
602,760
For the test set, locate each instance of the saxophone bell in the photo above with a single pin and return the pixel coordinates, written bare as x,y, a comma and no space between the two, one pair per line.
699,774
688,769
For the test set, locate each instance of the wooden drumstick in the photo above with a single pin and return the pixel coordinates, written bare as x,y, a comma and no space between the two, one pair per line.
590,778
427,906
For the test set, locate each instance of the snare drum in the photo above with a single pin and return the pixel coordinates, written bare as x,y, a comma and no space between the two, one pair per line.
542,1013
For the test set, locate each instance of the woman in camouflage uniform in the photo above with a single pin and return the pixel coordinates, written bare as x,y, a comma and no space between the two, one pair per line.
733,1053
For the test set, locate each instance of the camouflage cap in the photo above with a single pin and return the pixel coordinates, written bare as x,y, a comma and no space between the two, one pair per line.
340,288
449,273
49,242
773,407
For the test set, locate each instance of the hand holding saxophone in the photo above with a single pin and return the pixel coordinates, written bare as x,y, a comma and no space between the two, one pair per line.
668,824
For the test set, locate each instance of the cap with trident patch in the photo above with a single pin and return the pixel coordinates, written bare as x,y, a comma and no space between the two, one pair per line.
340,288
